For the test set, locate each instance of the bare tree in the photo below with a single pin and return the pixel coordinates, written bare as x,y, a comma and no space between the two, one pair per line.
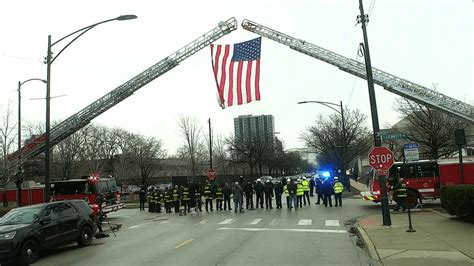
251,151
433,129
221,156
193,148
335,147
7,140
146,153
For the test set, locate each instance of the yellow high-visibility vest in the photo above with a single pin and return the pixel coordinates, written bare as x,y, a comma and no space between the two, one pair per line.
305,184
338,187
285,189
299,190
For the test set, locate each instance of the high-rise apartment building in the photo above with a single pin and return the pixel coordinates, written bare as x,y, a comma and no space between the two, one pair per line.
248,127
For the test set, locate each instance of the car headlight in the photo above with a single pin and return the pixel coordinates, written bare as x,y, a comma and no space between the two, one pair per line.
7,236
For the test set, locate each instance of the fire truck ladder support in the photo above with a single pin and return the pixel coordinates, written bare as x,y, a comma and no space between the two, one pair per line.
83,117
394,84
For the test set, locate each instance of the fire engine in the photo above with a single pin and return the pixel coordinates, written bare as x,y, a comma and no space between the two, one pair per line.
424,177
87,188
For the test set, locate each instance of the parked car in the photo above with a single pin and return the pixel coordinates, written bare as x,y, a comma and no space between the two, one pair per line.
26,231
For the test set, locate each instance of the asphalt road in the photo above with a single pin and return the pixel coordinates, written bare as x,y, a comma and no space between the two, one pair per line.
313,235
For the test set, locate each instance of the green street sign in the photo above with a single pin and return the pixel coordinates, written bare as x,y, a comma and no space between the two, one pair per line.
394,136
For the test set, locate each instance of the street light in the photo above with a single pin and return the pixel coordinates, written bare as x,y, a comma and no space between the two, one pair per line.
341,112
49,60
19,178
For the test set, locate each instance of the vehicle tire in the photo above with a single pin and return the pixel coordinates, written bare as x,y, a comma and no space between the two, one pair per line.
85,238
29,252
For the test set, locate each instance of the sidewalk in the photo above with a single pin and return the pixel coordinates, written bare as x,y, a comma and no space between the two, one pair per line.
439,239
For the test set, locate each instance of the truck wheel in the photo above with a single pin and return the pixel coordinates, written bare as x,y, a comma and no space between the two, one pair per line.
29,252
85,238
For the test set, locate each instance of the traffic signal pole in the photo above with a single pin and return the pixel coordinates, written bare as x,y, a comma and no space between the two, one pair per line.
373,110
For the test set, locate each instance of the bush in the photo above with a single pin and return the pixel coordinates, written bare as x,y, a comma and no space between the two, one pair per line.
458,200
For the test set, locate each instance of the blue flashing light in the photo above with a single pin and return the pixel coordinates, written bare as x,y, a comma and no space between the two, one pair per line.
326,174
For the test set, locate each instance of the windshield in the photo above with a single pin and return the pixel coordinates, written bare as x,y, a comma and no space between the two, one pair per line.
72,187
20,216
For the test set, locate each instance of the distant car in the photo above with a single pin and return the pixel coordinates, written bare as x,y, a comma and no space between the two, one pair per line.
26,231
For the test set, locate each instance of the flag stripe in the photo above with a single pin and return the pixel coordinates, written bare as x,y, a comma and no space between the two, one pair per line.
239,82
247,81
230,99
257,81
223,72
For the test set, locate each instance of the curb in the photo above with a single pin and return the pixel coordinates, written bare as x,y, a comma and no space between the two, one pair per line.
441,214
367,243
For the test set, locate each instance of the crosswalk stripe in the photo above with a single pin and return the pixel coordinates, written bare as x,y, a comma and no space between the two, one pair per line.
256,221
227,221
332,222
305,222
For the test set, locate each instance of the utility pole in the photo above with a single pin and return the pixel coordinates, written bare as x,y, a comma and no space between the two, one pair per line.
210,144
373,110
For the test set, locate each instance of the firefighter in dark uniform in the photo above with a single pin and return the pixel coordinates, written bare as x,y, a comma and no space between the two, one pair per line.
185,199
168,197
248,190
219,198
259,191
208,196
142,199
227,191
198,196
148,196
158,200
176,199
401,189
278,193
151,201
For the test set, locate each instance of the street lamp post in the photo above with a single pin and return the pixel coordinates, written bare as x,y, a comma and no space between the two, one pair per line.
341,112
19,178
49,60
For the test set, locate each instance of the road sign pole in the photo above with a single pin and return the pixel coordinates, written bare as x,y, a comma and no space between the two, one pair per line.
381,159
384,201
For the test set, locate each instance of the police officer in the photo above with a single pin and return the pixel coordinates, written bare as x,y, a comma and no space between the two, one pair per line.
259,188
185,199
278,193
268,189
327,192
338,188
227,191
219,198
207,191
305,184
248,190
299,194
319,189
311,186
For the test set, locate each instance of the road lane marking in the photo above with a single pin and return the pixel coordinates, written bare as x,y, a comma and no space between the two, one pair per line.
273,222
184,243
256,221
254,229
138,225
227,221
305,222
332,222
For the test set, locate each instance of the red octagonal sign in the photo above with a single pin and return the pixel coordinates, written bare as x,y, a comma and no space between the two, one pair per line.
381,158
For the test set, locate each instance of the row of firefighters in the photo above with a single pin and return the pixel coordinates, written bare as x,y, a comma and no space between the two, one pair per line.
191,195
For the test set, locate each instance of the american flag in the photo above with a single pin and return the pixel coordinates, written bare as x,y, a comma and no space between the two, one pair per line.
237,72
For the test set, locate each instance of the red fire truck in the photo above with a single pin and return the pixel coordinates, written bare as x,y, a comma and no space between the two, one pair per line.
424,177
87,188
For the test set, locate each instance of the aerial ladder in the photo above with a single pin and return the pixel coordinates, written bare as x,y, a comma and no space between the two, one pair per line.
394,84
104,103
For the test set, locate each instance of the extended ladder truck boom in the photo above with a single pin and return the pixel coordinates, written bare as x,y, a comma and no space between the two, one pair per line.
394,84
83,117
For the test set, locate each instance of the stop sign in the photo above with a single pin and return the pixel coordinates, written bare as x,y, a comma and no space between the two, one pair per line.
211,174
381,158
